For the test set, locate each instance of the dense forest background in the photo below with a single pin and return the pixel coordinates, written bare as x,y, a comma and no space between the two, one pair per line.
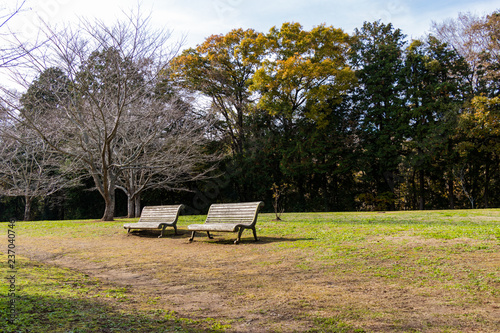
330,121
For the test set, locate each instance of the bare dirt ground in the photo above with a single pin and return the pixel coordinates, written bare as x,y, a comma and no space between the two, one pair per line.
233,284
257,286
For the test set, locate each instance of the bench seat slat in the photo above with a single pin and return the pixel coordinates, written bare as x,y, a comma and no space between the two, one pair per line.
145,225
217,227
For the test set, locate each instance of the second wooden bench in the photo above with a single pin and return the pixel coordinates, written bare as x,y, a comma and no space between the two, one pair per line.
232,217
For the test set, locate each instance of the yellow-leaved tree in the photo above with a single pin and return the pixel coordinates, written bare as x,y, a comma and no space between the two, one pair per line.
221,69
303,68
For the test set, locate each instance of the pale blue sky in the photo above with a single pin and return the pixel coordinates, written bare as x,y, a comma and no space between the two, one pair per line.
198,19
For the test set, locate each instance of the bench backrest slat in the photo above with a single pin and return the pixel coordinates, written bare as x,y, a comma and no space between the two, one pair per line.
167,214
240,213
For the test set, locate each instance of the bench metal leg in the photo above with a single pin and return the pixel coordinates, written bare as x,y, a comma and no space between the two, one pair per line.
162,230
209,236
239,236
193,233
128,232
241,231
175,230
255,234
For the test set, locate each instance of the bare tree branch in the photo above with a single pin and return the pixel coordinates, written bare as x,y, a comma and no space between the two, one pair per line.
30,168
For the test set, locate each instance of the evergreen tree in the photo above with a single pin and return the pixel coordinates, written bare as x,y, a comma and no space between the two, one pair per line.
377,56
433,77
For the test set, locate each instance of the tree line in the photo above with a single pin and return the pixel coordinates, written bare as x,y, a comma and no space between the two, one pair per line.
366,121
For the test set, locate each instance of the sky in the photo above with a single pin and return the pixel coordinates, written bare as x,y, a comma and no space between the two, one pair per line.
195,20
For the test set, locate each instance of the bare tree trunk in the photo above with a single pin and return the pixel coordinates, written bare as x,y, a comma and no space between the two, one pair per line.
468,194
138,205
130,190
133,205
130,206
27,207
109,196
109,210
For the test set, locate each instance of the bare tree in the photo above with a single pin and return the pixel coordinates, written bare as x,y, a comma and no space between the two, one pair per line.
172,158
460,174
15,47
30,168
474,38
110,75
9,54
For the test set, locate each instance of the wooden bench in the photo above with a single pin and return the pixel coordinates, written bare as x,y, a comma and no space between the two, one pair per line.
157,217
233,217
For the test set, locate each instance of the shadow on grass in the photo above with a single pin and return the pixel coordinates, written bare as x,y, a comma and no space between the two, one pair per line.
222,238
76,315
248,241
155,233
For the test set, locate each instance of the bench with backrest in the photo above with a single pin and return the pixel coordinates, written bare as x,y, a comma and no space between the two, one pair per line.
232,217
157,217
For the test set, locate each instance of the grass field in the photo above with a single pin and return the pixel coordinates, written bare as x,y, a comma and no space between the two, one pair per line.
425,271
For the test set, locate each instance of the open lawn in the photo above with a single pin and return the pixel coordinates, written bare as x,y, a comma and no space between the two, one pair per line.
428,271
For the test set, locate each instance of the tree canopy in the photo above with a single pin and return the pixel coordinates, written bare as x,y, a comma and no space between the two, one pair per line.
366,121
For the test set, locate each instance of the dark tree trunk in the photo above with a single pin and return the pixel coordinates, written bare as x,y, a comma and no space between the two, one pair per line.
487,185
421,204
451,197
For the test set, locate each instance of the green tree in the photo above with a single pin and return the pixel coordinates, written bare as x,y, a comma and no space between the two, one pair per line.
47,92
476,40
480,146
433,79
301,83
321,161
378,58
